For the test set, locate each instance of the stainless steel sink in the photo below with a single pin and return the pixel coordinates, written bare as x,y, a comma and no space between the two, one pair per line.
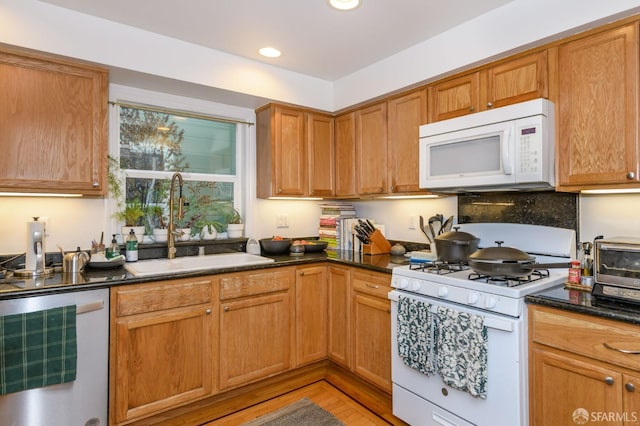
145,268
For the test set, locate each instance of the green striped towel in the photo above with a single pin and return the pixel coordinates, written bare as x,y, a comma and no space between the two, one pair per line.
37,349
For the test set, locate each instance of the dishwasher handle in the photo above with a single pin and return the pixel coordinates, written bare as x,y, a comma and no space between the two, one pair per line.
90,307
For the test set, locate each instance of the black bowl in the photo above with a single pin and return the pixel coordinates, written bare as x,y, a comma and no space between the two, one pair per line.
313,246
271,246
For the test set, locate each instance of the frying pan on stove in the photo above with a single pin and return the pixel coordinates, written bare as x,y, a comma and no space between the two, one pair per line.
502,261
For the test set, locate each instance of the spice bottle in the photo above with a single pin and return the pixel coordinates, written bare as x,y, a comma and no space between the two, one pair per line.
587,260
574,272
131,247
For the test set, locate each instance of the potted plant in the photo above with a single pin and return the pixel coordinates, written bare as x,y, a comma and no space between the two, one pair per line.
132,216
208,229
235,227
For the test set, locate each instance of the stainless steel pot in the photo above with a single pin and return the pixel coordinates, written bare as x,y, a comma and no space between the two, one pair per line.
455,246
507,261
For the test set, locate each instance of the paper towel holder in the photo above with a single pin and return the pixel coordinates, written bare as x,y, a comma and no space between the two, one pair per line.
36,253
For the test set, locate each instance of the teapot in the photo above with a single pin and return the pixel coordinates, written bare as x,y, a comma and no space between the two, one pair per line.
73,262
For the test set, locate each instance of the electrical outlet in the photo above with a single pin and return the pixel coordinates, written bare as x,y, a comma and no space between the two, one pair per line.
282,221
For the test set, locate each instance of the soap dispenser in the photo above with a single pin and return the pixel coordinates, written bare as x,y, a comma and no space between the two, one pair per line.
114,249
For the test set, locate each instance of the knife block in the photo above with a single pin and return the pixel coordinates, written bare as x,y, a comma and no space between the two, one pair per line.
378,244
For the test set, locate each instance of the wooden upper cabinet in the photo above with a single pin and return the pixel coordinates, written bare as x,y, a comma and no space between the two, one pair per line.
454,97
507,82
516,80
53,125
405,115
321,152
345,148
597,110
371,149
281,152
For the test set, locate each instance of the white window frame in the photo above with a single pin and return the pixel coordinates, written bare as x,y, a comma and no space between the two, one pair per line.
142,97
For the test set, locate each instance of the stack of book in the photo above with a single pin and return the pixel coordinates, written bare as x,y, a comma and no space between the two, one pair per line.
334,225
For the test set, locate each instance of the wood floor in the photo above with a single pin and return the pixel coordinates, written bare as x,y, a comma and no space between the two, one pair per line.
322,394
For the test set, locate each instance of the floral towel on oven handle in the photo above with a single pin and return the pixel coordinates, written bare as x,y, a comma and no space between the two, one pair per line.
444,341
461,342
416,335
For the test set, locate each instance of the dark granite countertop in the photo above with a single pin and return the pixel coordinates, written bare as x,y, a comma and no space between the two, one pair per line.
581,301
11,287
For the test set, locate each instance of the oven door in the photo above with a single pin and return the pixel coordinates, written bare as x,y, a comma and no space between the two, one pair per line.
425,400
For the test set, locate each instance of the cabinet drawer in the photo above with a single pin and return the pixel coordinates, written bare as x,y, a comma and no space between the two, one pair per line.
250,284
586,335
374,284
143,298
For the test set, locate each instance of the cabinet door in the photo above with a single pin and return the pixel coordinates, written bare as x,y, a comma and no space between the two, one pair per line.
345,169
311,314
339,315
455,97
164,359
405,114
597,109
517,80
53,125
562,384
371,149
255,338
631,393
321,161
372,328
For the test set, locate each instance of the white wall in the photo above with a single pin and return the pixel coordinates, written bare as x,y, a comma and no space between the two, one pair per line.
609,215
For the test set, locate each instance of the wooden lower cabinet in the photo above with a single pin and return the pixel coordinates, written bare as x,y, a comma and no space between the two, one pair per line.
371,319
179,343
311,314
256,312
339,321
574,377
161,352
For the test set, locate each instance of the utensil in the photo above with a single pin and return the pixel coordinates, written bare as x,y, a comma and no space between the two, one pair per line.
435,230
424,230
446,226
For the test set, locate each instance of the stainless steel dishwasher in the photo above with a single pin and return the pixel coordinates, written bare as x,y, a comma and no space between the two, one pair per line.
83,401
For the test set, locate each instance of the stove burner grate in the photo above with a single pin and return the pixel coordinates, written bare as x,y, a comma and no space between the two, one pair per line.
510,281
439,267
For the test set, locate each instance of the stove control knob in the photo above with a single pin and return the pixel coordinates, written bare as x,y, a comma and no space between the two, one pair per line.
415,285
490,303
443,292
403,283
472,299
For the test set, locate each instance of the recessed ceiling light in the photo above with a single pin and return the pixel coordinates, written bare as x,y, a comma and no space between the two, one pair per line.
270,52
344,4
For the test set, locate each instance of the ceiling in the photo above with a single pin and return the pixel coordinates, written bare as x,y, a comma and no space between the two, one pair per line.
315,39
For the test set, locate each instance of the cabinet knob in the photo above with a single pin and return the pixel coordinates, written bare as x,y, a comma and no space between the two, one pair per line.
630,387
226,309
489,105
279,190
608,380
208,312
471,109
631,175
95,184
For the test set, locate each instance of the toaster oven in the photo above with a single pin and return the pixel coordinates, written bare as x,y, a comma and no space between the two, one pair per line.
617,268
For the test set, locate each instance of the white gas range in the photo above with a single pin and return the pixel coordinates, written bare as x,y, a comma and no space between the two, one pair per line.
421,399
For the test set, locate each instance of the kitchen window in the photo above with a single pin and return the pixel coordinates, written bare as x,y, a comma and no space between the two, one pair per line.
154,142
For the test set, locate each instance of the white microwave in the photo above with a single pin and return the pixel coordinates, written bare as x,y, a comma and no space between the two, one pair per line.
507,148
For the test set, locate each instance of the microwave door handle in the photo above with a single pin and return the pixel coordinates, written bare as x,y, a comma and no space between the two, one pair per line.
506,158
